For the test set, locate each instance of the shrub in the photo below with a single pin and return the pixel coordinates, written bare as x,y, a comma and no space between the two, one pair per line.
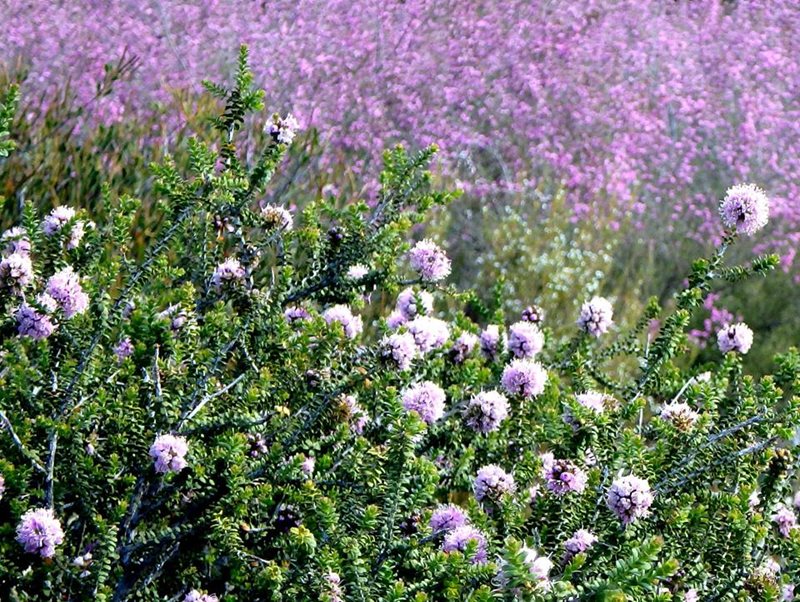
217,420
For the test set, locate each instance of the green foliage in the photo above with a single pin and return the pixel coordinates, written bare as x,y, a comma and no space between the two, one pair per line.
256,396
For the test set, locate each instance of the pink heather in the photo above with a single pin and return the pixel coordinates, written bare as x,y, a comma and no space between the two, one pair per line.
581,541
198,596
492,483
629,498
411,303
745,208
429,261
351,323
36,323
230,272
429,333
735,338
277,217
16,272
492,343
169,453
526,378
16,241
426,399
563,476
525,339
458,539
400,348
486,411
39,532
447,517
596,316
65,288
785,519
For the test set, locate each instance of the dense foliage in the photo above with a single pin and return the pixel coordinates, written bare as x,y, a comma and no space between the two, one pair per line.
217,419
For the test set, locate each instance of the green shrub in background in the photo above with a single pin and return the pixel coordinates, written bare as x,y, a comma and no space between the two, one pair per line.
214,419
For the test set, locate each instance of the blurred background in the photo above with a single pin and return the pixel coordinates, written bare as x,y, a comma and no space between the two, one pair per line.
593,139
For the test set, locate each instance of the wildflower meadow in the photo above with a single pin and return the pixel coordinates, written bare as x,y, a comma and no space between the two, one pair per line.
406,302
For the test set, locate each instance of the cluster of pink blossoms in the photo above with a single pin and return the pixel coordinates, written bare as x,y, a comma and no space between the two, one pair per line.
16,272
230,272
630,498
680,414
400,348
356,415
785,519
562,476
745,208
460,539
428,332
277,217
735,338
58,219
342,314
426,399
169,453
447,517
538,566
492,483
525,377
492,342
525,339
596,316
486,411
39,532
65,288
429,261
580,541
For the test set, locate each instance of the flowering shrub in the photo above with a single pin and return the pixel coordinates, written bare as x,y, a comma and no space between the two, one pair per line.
217,421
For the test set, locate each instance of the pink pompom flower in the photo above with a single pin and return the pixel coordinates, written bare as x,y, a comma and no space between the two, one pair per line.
735,338
630,498
429,261
486,411
492,483
745,208
39,532
460,538
596,316
350,322
525,339
65,288
169,453
426,399
524,377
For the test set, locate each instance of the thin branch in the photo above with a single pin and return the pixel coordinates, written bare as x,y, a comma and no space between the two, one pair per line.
18,442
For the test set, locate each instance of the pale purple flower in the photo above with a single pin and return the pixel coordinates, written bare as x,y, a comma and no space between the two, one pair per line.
277,217
429,333
258,445
356,272
2,486
199,596
123,349
492,342
596,402
447,517
76,235
787,592
169,453
351,323
534,314
396,319
596,316
39,532
691,595
486,411
746,208
228,273
426,399
83,562
680,414
16,241
429,261
356,415
308,465
492,483
462,347
538,566
785,519
295,314
735,338
411,303
34,322
580,541
65,287
525,339
458,539
524,377
57,219
16,272
176,316
283,129
630,498
563,476
334,586
400,348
